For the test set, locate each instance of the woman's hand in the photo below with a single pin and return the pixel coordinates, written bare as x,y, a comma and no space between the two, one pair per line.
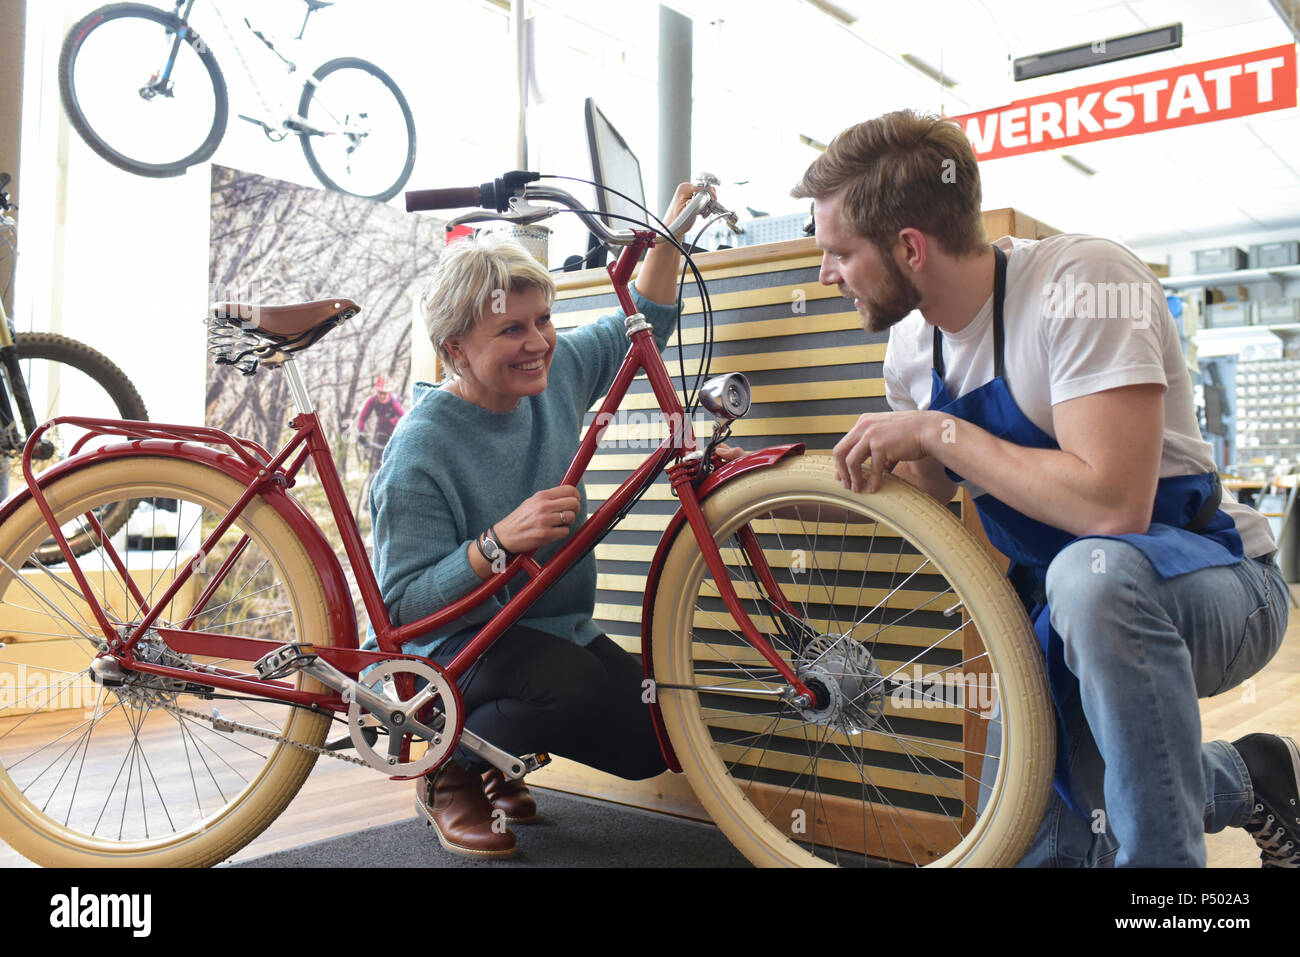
685,193
544,518
657,280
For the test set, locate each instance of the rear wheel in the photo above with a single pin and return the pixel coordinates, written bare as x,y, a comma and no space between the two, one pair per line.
917,648
360,134
98,773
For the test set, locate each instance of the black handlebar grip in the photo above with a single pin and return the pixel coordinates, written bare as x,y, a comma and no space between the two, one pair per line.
455,198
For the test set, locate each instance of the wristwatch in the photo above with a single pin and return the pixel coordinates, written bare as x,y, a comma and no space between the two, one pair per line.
490,548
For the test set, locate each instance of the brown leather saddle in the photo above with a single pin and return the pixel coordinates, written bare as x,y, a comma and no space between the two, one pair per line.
246,334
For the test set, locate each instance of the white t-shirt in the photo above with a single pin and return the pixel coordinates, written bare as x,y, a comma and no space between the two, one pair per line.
1081,315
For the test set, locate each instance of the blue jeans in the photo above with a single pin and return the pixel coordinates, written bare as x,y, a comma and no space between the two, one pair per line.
1144,650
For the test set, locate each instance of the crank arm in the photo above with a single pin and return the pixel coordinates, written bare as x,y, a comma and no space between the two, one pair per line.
391,714
512,767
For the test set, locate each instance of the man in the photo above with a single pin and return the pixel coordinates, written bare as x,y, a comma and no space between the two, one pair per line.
1072,422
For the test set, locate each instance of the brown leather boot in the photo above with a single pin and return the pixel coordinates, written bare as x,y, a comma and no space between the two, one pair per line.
454,804
513,797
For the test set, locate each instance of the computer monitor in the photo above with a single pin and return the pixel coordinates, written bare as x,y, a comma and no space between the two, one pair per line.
614,165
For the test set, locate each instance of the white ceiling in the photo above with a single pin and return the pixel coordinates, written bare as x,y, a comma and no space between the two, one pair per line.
1194,183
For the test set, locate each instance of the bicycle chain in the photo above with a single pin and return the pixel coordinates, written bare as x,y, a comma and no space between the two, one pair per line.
260,733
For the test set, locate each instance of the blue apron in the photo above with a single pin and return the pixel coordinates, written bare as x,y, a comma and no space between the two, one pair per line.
1188,529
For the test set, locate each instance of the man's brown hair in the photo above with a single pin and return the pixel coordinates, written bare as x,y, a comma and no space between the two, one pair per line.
901,170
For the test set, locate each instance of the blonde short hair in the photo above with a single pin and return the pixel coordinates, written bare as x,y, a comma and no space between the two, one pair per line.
470,271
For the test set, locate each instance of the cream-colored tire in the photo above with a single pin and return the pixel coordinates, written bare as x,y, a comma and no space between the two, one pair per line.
99,776
917,646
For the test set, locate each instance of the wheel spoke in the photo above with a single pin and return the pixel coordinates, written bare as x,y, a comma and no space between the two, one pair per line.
132,774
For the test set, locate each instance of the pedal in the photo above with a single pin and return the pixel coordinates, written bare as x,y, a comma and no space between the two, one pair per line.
256,122
285,660
534,761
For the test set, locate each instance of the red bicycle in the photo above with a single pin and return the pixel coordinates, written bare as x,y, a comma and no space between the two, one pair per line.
844,678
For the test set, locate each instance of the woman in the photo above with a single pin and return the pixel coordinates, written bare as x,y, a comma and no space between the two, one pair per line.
474,467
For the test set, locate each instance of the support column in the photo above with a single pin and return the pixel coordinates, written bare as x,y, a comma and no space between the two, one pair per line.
676,49
12,19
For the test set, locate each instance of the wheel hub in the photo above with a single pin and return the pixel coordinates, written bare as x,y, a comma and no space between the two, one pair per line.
152,691
847,681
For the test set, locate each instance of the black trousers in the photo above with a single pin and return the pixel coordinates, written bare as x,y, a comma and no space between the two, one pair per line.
533,692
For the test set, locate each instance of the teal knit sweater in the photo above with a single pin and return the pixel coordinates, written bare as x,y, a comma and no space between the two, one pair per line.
452,469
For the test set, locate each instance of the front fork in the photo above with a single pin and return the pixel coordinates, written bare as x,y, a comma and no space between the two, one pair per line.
683,476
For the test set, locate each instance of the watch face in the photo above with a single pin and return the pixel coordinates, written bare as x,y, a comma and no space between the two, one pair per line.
490,547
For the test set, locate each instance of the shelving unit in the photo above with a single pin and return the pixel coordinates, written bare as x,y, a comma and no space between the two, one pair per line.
1268,415
1280,276
1275,274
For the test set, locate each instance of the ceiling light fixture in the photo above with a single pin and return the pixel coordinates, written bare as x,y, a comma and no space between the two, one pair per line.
835,11
1098,51
1083,168
1289,11
916,63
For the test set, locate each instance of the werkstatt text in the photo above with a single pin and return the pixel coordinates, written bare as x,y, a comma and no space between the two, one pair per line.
1237,85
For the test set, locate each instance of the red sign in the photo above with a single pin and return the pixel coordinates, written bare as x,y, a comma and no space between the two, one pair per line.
1237,85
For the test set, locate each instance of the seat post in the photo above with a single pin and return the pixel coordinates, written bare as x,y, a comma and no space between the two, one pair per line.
297,387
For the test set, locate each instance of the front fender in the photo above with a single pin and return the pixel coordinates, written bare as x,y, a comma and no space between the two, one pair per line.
762,459
343,621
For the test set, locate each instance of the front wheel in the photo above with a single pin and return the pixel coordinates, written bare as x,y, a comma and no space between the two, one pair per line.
357,131
931,740
142,89
134,770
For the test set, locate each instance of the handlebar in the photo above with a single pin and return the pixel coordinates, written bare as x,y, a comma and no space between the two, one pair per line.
454,198
494,195
510,198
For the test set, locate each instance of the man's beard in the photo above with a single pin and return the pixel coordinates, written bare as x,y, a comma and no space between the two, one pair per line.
890,304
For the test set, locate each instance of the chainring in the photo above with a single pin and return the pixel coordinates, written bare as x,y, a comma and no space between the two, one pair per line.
446,705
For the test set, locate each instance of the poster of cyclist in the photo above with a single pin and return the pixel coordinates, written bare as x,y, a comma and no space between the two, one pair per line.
276,243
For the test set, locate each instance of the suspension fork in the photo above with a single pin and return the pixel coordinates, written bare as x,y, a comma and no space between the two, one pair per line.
164,75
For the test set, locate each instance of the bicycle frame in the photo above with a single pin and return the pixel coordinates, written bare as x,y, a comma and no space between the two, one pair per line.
269,476
272,124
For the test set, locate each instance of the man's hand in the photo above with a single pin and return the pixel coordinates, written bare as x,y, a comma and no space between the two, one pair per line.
884,438
728,453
